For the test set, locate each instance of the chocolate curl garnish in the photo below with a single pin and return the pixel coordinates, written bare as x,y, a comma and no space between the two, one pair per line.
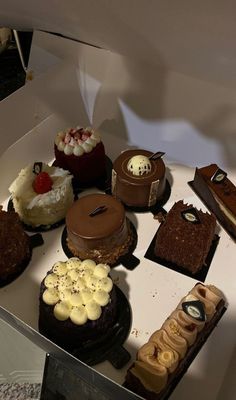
98,210
156,155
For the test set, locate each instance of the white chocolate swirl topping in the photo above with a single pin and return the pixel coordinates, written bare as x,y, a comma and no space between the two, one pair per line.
77,140
78,290
139,165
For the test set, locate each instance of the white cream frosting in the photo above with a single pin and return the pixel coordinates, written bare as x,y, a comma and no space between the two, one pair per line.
42,209
78,290
77,140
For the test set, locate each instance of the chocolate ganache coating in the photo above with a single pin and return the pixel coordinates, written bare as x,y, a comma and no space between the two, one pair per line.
97,228
138,190
219,195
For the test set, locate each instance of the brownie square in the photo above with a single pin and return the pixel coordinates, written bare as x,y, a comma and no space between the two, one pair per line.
185,237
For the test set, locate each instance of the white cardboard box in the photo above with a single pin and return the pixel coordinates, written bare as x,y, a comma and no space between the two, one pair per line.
133,103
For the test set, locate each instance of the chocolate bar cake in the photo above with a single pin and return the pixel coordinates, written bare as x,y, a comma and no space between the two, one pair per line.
185,237
218,194
163,360
97,228
15,248
77,302
137,179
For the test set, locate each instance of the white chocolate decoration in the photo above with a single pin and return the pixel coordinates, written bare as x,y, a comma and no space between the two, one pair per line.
77,141
78,290
139,165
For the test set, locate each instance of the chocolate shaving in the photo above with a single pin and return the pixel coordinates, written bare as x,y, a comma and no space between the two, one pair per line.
156,155
98,210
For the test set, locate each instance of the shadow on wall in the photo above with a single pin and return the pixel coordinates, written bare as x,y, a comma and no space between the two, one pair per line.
221,126
134,102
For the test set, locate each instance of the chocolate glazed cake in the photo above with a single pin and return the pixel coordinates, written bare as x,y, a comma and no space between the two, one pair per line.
77,303
97,228
164,359
185,237
137,180
218,194
15,248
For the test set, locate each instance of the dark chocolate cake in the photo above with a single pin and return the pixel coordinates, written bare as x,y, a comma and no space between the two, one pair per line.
15,248
77,303
218,194
163,360
185,237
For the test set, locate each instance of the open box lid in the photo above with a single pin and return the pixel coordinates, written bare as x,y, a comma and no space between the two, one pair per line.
192,38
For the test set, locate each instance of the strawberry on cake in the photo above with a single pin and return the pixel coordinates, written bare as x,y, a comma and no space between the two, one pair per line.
42,194
81,151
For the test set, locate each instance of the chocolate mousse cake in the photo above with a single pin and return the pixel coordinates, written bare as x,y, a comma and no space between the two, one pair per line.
42,194
164,359
77,302
185,237
97,228
218,194
81,151
138,180
15,247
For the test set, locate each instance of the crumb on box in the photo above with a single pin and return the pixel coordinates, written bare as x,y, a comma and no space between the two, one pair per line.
135,332
159,216
116,280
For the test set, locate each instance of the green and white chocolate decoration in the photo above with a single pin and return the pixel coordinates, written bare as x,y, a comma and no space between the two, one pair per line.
219,176
78,290
191,215
193,307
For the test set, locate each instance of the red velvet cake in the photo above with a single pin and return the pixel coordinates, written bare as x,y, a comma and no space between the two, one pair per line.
81,151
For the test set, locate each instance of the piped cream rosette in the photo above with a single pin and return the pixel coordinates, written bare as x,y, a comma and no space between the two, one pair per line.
77,140
78,290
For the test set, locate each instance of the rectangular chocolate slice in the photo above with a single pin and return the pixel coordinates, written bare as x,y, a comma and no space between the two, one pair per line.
218,194
185,237
164,359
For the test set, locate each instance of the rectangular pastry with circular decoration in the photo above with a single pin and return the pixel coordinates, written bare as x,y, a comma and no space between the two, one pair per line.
163,360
